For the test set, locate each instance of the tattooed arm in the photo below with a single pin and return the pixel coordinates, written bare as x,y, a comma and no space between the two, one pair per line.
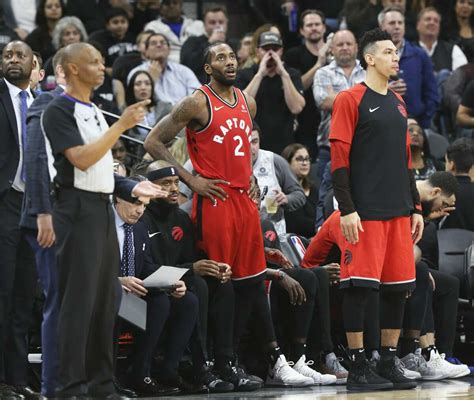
191,112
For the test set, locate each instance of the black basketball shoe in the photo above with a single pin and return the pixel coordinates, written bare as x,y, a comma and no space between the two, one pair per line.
391,369
363,377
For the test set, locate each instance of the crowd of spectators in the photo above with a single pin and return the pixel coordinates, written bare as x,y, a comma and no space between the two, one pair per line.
153,51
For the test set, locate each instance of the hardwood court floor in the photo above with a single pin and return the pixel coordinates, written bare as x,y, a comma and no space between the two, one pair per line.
447,389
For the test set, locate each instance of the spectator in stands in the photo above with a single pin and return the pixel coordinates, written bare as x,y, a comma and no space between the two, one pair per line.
124,64
47,16
175,26
459,26
417,84
7,34
359,16
92,12
465,114
410,17
308,58
444,55
140,88
301,221
68,30
454,88
115,39
144,11
459,161
278,91
252,57
20,16
422,163
279,188
342,73
192,52
244,49
37,72
173,81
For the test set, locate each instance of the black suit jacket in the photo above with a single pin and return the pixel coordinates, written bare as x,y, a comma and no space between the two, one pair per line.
144,265
9,148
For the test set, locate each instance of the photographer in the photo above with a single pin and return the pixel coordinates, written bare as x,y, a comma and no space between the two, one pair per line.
277,90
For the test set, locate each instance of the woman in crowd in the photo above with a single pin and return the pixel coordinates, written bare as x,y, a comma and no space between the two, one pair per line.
48,14
141,87
302,220
460,26
423,164
68,30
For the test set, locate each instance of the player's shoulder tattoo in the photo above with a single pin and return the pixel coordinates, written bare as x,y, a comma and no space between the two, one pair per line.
187,108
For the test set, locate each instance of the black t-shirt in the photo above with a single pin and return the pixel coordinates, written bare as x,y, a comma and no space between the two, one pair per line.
375,127
303,60
273,115
463,216
68,123
112,46
468,96
124,64
302,220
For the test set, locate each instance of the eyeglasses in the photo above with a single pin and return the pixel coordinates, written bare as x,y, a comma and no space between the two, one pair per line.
302,160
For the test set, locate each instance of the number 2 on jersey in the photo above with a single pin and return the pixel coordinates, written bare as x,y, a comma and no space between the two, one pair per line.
240,143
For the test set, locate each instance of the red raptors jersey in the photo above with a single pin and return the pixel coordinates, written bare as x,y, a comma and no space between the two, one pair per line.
221,150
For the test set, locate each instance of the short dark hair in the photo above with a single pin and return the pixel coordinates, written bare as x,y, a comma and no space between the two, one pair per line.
215,9
446,181
461,153
147,42
368,40
115,12
311,11
206,57
39,58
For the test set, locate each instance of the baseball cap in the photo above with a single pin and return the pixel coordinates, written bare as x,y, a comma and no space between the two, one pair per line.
269,38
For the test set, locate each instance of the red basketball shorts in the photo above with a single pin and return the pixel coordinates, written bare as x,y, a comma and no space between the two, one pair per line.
383,255
230,232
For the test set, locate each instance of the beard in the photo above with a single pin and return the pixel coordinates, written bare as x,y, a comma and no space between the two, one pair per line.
15,77
427,207
220,77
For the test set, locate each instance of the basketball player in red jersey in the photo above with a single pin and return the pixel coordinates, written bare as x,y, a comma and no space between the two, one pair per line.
218,121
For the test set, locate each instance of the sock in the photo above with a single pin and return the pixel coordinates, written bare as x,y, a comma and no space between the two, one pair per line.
273,355
427,351
357,355
388,352
297,350
408,345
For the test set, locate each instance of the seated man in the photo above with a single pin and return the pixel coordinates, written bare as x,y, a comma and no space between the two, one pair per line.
459,161
278,185
172,243
178,311
173,81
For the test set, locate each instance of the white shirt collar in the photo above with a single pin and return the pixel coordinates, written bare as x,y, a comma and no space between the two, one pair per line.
15,90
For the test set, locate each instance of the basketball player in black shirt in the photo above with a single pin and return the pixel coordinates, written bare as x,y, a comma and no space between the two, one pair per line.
380,209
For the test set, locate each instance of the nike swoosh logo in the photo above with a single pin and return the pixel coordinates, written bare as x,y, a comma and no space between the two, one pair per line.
373,109
218,108
150,235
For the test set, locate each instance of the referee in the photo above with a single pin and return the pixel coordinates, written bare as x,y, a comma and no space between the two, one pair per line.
88,254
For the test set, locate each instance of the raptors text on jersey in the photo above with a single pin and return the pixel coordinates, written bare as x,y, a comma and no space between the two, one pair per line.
221,150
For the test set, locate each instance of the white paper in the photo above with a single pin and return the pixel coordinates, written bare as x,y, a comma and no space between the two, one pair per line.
164,277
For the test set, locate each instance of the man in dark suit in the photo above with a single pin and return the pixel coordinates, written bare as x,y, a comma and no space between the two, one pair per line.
16,262
179,311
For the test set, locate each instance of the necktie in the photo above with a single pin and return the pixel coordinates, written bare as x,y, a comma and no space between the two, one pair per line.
23,112
128,254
